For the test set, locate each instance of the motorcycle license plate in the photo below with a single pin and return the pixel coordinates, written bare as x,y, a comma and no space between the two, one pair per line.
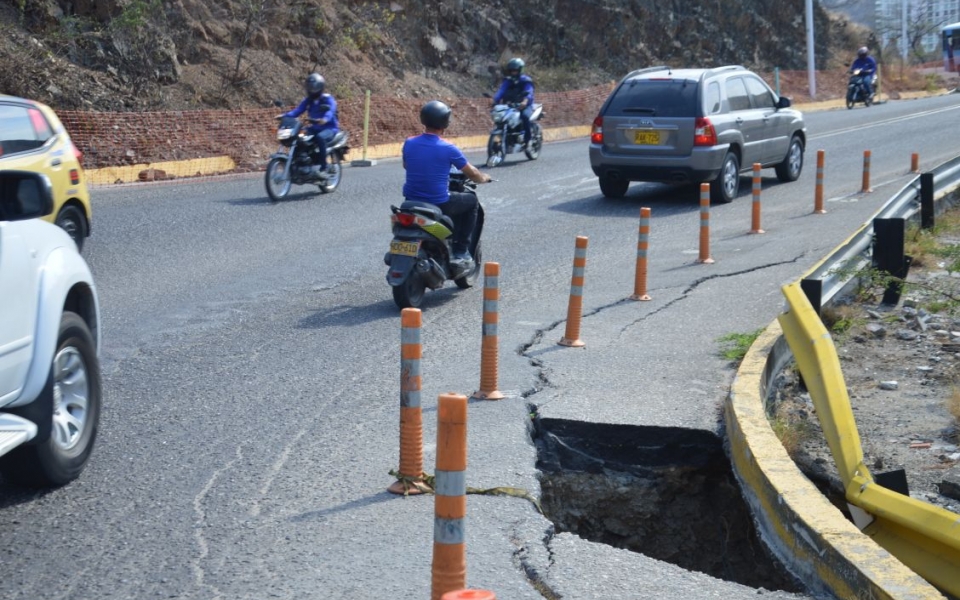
404,248
646,137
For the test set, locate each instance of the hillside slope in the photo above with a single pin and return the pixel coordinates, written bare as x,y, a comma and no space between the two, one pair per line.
116,55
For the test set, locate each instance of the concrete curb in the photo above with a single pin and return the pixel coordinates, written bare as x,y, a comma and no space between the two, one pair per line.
802,528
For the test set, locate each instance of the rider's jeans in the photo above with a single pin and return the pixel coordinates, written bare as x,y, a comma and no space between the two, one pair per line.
462,207
320,149
525,118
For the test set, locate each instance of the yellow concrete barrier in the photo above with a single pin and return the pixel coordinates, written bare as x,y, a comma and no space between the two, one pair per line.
803,529
923,536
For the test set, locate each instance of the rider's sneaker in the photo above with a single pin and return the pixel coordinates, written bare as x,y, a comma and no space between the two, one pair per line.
462,259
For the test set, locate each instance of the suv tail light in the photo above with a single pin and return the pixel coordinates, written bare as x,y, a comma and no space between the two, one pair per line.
703,133
596,133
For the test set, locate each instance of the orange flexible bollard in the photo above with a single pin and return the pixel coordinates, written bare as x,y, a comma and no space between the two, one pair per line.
469,595
411,419
866,172
449,569
818,197
489,346
575,307
704,256
914,163
755,216
640,280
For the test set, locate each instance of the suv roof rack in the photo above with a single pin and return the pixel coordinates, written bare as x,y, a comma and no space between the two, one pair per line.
724,68
646,70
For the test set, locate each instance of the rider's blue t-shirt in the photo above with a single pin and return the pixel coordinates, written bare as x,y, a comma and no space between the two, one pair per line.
323,106
427,158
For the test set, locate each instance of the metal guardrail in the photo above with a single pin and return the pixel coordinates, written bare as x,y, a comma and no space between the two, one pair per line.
923,536
851,255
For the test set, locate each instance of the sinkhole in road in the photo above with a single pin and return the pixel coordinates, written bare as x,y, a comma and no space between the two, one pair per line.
667,493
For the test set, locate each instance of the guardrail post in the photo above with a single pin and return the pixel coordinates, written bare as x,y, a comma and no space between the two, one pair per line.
813,290
818,194
889,257
489,345
755,214
865,188
411,419
643,243
571,337
926,201
704,256
449,568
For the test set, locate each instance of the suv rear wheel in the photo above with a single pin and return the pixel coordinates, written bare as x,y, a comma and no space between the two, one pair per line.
613,188
726,186
789,169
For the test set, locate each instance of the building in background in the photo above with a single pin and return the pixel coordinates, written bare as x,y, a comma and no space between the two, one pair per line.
914,24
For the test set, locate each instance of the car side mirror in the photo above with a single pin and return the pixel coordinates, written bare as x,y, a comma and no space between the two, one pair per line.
783,102
24,195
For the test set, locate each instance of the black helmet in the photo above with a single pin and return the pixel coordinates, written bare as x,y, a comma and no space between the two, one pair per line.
862,51
515,64
315,84
435,115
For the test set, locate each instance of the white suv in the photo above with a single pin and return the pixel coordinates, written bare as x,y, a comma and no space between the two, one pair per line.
50,392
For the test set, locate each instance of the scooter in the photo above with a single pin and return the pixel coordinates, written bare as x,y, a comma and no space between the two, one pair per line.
506,137
420,252
857,88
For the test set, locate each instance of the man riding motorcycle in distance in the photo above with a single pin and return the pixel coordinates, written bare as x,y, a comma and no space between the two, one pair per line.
517,88
427,159
322,110
868,68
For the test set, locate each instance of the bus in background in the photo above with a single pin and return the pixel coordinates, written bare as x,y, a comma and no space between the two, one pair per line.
951,47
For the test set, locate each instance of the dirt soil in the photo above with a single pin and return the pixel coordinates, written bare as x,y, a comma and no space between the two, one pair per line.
901,366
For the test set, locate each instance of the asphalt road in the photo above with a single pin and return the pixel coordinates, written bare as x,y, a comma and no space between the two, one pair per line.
251,370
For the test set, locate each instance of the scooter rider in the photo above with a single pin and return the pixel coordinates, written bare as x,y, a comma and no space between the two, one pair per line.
518,88
322,110
868,68
427,159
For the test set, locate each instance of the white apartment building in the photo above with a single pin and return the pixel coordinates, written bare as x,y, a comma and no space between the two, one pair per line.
889,20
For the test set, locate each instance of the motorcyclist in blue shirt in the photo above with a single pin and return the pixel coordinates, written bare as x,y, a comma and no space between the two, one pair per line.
868,68
321,108
517,88
427,159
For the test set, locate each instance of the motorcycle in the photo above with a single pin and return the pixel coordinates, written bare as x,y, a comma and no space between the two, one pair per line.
506,137
293,162
420,252
857,89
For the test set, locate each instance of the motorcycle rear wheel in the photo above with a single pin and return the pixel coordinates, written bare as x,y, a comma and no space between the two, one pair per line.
278,187
334,173
410,293
495,153
536,141
468,280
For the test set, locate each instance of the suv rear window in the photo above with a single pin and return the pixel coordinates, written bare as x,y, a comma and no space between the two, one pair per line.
655,98
21,129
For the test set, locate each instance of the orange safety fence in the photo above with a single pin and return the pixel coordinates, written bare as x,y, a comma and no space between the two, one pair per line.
169,144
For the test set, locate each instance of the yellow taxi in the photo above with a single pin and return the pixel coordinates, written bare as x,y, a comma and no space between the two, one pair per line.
32,138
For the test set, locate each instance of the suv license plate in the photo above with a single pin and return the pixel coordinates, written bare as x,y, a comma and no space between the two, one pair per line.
404,248
646,137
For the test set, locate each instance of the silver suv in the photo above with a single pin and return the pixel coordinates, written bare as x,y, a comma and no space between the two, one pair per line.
694,126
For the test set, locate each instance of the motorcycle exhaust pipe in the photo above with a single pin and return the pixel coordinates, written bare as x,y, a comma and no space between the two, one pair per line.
432,274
